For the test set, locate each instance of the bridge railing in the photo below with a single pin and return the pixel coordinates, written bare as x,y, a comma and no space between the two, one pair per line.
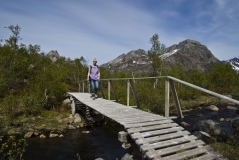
84,86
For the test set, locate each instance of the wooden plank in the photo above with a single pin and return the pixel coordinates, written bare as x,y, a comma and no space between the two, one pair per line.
167,143
139,120
173,149
149,128
158,132
209,156
188,154
141,141
147,123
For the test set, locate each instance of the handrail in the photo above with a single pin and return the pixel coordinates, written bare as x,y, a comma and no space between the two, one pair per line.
204,90
168,84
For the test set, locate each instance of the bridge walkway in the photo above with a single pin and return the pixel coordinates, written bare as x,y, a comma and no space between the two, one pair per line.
157,137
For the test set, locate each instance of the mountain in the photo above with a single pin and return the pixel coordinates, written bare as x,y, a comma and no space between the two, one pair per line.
136,60
189,53
234,62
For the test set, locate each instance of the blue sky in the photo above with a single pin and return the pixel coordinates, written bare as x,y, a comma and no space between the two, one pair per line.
107,28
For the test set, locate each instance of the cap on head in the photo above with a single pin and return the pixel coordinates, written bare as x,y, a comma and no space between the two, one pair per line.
94,60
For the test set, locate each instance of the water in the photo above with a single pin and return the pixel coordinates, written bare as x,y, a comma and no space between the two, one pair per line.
192,117
101,142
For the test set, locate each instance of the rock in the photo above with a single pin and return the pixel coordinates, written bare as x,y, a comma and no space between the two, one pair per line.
81,124
212,108
42,136
77,120
67,101
61,135
229,119
85,131
208,126
99,159
52,135
127,157
1,137
71,127
232,108
36,133
202,135
184,124
221,119
28,135
71,120
235,125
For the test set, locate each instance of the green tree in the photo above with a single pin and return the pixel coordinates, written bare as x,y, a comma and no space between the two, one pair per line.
154,54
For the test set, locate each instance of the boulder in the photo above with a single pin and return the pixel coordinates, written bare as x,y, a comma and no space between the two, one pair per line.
127,156
67,101
208,126
221,119
235,125
212,108
61,135
71,127
42,136
52,135
28,135
232,108
184,124
202,135
36,133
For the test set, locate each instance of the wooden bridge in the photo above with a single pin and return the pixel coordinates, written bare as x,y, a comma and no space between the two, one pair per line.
158,137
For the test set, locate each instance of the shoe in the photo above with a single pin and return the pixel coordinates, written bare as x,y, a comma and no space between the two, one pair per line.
92,95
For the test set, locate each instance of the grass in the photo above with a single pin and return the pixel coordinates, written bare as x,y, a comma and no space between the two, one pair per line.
228,149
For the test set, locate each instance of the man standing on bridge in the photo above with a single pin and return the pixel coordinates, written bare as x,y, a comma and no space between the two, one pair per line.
94,78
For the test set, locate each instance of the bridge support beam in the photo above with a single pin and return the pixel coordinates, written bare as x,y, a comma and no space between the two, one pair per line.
123,137
176,100
73,106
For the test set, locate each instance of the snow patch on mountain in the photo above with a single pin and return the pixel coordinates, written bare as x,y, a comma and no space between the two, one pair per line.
166,55
235,63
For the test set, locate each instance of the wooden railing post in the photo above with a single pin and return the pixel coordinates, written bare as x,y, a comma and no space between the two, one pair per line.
83,86
175,97
167,98
101,89
134,93
128,91
113,89
79,87
108,89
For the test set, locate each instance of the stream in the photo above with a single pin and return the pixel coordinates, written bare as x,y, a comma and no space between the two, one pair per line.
101,142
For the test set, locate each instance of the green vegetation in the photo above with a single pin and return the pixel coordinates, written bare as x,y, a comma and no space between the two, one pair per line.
32,85
30,82
228,148
13,149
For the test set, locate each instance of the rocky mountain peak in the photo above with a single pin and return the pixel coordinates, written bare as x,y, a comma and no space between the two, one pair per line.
190,54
